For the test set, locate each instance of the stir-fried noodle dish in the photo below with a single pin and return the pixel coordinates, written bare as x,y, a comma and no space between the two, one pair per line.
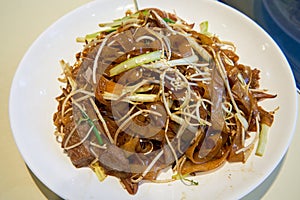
149,93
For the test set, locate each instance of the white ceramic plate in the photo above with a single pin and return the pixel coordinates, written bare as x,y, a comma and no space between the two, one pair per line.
35,86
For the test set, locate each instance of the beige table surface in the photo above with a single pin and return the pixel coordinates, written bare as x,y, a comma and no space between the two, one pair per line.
21,22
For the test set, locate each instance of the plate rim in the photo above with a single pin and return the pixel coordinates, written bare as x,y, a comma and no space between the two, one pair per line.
69,14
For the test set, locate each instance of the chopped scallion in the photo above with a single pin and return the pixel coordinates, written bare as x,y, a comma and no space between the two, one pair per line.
183,178
95,130
168,20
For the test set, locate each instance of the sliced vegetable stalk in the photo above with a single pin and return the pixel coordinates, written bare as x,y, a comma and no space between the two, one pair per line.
99,171
262,142
134,97
204,28
111,26
92,36
119,22
135,62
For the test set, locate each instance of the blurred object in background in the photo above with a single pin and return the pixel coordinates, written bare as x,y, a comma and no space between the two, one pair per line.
245,6
281,19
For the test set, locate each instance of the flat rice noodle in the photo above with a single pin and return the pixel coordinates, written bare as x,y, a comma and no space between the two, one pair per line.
144,146
201,38
109,54
190,167
125,39
150,125
163,14
160,165
190,151
232,72
142,127
140,32
131,77
122,138
242,96
118,110
131,188
252,117
146,42
265,117
160,136
180,45
114,158
90,53
213,141
211,149
203,90
131,145
255,79
245,71
259,96
80,155
236,145
231,55
105,85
